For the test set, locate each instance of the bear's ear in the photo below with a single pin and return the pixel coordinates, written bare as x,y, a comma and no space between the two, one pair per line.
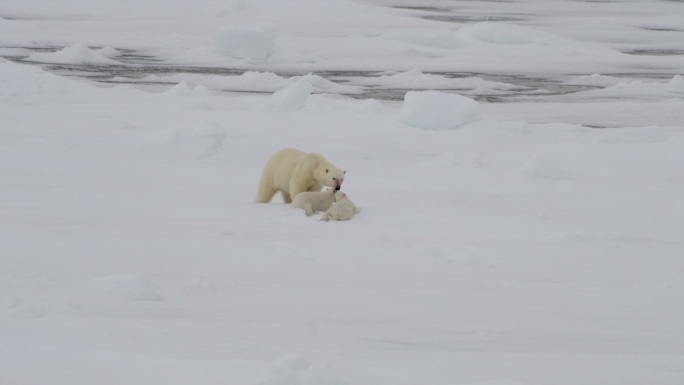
344,172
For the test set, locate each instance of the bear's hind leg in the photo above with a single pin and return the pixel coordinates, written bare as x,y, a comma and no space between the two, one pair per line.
264,195
265,191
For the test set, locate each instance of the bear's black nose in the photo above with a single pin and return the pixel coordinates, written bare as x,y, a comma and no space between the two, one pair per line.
337,188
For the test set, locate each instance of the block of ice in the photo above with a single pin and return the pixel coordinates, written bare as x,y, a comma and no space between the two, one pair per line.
433,110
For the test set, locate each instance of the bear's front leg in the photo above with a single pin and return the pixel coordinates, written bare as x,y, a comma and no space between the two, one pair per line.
308,207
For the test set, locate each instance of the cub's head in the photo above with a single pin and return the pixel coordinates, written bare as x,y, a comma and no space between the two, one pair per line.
339,196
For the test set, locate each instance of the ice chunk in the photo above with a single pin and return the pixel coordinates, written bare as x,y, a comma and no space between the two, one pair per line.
432,110
253,44
676,84
292,97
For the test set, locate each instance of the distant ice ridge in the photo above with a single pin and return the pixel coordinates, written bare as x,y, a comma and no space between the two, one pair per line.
182,89
416,79
75,54
256,82
622,88
433,110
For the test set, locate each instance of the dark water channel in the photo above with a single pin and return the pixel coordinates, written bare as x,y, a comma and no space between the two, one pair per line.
136,67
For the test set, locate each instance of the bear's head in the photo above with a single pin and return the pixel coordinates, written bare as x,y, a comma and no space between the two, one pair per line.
331,176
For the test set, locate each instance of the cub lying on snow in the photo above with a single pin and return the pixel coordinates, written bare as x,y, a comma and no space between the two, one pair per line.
342,210
312,202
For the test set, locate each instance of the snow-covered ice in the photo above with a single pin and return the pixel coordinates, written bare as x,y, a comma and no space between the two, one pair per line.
518,166
292,97
676,84
432,110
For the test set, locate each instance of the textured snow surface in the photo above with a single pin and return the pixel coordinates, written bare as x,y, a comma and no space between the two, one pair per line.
533,242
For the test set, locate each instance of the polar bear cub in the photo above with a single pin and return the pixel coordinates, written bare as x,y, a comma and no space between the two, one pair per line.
312,201
342,210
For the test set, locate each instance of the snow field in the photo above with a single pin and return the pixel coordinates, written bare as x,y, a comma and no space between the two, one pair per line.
519,248
137,241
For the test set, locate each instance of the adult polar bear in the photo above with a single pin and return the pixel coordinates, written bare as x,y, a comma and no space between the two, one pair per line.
291,171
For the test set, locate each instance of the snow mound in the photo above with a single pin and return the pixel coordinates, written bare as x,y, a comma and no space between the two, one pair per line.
432,110
597,80
252,44
296,370
416,79
74,54
635,89
253,81
439,38
182,89
320,84
125,286
293,97
107,52
261,81
498,33
26,80
676,84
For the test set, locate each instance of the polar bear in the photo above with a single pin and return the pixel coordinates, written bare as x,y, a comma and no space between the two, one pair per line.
314,201
292,171
342,210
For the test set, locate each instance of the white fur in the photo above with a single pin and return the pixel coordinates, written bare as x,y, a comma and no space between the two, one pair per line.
291,172
342,210
313,202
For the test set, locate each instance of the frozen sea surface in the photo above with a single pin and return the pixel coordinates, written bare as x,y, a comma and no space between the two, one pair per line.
528,52
527,231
